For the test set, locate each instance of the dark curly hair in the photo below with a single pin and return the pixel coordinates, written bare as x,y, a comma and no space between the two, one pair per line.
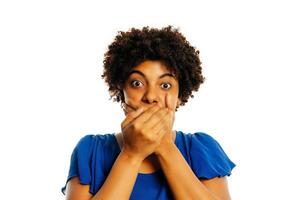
167,45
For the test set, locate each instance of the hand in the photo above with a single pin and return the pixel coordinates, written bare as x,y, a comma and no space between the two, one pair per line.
144,128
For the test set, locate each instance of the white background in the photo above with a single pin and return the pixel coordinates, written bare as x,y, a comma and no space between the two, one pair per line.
51,92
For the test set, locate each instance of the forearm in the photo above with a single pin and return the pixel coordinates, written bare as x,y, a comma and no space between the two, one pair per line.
182,180
121,179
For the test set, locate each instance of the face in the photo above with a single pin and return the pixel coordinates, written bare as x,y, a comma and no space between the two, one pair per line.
150,82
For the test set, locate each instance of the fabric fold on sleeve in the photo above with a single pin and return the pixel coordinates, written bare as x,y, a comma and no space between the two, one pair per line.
80,161
208,159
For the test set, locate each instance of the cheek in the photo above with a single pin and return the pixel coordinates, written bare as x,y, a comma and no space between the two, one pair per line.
126,95
131,96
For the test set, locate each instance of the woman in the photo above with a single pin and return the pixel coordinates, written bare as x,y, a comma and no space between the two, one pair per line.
151,72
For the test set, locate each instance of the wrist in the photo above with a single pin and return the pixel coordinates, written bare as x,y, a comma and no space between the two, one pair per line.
131,157
165,149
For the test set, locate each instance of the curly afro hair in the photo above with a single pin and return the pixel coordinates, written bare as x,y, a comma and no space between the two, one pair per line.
167,45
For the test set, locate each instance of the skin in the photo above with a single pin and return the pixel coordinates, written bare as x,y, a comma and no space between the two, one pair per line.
151,87
147,138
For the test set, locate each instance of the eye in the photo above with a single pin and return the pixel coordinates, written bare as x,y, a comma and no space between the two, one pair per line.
136,83
166,86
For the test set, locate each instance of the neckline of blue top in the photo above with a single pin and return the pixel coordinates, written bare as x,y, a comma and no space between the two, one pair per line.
152,173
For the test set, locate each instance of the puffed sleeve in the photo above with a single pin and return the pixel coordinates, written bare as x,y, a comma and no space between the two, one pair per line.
208,159
82,163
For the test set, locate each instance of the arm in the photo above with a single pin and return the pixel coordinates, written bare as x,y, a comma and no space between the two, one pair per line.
139,142
118,184
184,183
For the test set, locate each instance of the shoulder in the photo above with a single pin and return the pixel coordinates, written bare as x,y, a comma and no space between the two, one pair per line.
204,140
202,136
85,159
91,144
85,141
199,139
206,145
94,139
208,158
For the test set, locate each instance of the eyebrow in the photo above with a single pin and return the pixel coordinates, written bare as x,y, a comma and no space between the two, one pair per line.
142,74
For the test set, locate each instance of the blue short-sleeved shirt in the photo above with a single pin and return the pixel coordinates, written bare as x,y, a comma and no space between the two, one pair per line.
94,156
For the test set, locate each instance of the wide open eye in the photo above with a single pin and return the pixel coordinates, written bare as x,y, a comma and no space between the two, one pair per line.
136,83
166,86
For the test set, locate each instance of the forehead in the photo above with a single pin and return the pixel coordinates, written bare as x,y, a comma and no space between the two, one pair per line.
151,69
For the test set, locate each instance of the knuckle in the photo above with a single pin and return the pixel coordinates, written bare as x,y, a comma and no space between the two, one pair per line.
122,124
156,107
164,112
130,115
151,138
136,127
158,115
161,113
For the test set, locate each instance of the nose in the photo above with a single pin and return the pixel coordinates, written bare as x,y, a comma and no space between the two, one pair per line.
151,96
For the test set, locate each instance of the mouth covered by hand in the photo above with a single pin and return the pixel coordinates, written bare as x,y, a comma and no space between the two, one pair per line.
129,106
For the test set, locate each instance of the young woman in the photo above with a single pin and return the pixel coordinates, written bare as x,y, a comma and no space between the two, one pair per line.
151,72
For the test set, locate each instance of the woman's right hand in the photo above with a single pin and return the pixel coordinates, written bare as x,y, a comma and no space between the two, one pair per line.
143,129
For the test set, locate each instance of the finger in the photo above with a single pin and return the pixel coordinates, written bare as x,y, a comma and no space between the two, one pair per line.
134,114
148,113
166,101
130,106
173,117
156,118
161,133
162,128
131,116
168,104
147,106
162,123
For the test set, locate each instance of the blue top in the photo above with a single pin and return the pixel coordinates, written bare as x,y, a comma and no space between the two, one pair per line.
94,156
